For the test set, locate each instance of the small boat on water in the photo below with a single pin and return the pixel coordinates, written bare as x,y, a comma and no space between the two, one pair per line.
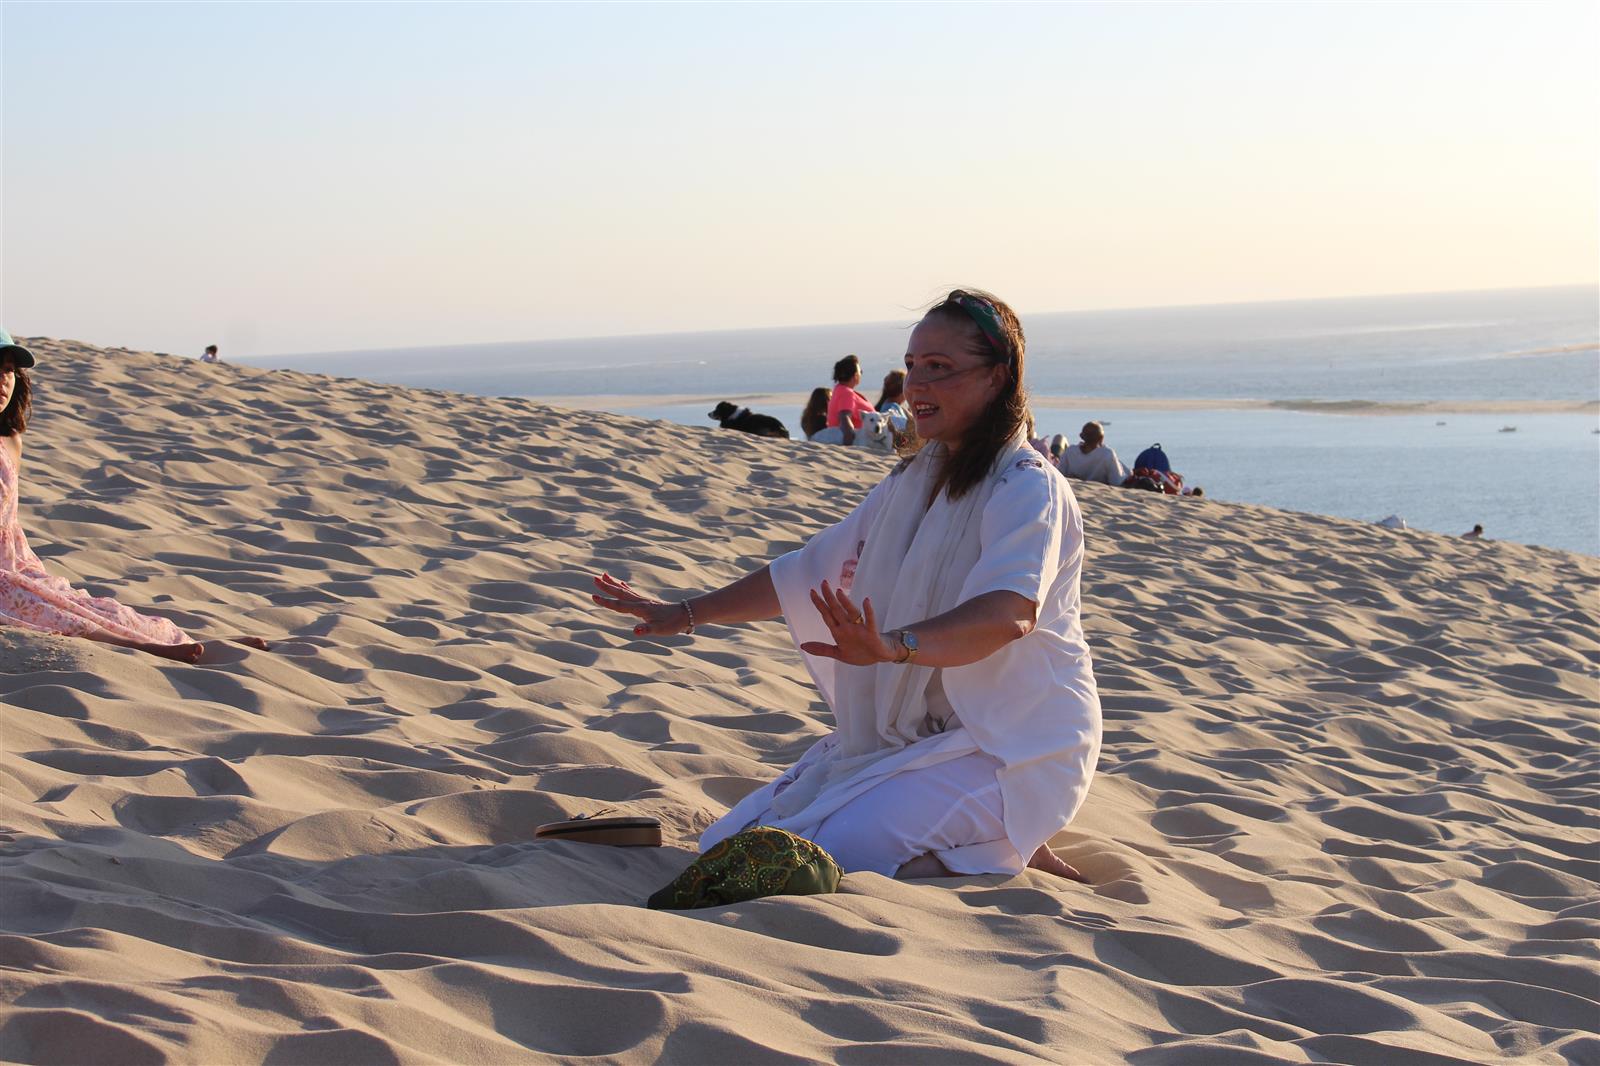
1508,429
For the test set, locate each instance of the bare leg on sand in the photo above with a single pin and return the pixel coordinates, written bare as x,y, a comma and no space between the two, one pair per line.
1044,859
923,866
183,653
192,652
1047,860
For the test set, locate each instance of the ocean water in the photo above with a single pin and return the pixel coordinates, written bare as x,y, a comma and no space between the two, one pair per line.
1535,353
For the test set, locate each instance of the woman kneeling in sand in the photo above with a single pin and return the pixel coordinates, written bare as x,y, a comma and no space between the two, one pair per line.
940,620
32,598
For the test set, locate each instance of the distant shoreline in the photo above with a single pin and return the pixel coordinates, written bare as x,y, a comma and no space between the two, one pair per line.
627,401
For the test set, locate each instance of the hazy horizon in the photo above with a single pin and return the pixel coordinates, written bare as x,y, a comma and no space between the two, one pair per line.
913,311
302,178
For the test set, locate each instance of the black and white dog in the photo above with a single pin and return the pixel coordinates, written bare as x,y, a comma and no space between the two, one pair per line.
747,421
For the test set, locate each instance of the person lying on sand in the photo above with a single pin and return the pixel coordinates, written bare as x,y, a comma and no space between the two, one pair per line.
940,620
32,598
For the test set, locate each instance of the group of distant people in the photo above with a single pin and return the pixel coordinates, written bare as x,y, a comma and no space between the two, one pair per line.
838,414
1092,459
835,415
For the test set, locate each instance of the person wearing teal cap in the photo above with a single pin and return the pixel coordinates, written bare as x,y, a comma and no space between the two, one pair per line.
30,596
20,357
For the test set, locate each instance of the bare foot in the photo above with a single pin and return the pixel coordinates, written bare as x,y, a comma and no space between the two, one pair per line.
1048,861
183,653
923,866
252,642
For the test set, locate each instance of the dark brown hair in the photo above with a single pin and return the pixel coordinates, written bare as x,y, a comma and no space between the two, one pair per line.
815,417
896,378
1001,345
846,368
14,419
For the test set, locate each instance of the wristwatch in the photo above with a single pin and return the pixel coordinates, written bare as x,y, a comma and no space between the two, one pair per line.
907,640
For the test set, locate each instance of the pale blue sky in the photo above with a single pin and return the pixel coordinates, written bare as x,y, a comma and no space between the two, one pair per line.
303,177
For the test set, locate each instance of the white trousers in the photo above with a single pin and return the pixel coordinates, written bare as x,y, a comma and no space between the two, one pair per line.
952,810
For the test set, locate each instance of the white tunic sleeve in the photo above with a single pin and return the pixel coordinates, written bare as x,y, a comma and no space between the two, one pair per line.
830,555
1021,534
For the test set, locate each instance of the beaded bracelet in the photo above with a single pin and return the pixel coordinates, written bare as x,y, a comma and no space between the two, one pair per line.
690,612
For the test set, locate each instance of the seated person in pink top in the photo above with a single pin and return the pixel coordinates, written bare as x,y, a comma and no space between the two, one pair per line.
30,596
845,398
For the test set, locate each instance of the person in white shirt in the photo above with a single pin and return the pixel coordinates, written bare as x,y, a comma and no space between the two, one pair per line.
941,622
1093,459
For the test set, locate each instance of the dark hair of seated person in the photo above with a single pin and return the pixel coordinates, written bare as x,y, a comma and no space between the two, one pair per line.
815,417
846,369
14,419
894,388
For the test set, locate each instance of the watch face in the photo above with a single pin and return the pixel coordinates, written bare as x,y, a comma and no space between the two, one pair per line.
909,639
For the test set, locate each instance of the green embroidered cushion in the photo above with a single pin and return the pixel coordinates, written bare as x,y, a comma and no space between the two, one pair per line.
757,862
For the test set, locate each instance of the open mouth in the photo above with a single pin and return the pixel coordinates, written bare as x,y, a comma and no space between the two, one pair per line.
923,410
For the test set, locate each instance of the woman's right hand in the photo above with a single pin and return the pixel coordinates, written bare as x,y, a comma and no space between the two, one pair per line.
657,618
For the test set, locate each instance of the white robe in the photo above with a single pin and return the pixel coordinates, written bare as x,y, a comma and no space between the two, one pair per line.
1032,704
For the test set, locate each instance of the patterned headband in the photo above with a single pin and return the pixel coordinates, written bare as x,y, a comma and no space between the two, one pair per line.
986,316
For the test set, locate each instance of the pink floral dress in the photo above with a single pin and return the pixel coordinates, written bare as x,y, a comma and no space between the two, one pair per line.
32,598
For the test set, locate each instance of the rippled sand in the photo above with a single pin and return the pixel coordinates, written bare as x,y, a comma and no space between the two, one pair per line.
1346,807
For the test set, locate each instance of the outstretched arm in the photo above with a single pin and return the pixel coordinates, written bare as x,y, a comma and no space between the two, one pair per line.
749,599
966,633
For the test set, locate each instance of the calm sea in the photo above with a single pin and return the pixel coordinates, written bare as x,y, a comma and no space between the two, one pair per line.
1525,350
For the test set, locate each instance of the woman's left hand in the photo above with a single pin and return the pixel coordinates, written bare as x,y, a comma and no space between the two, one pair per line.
856,640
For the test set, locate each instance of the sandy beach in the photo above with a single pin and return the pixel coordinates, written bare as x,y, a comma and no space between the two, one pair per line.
1346,807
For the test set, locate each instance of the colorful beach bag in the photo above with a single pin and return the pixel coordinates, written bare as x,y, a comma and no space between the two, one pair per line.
757,862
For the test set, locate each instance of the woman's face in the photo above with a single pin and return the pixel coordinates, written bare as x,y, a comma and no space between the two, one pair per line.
855,379
8,381
947,388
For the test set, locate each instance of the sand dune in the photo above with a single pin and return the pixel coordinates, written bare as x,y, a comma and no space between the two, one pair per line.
1346,809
